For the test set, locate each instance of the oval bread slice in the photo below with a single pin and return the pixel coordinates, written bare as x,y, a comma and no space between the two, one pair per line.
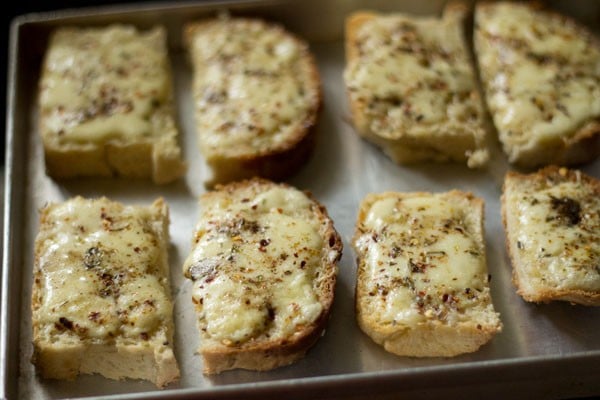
412,87
263,267
106,105
257,93
540,74
101,298
422,283
552,223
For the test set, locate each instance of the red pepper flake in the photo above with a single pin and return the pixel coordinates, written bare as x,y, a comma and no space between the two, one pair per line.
271,312
64,323
93,316
332,241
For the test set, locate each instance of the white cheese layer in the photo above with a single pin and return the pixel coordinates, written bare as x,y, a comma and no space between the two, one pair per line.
413,79
254,266
558,225
100,270
253,86
105,83
541,75
423,260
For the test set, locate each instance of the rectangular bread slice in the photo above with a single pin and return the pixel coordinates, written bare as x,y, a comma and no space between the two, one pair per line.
101,298
263,268
422,283
106,105
257,94
540,74
552,223
412,88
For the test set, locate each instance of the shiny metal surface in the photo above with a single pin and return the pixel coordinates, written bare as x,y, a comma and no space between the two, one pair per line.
544,350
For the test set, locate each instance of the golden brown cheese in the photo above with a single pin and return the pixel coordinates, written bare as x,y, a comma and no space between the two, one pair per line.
423,261
253,86
101,272
412,78
106,106
105,83
557,222
541,75
254,266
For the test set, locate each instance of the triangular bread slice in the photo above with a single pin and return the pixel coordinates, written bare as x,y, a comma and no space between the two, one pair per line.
539,70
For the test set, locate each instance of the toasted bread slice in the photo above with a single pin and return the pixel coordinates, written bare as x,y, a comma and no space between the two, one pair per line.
101,298
552,222
264,269
540,74
257,93
412,88
106,105
422,283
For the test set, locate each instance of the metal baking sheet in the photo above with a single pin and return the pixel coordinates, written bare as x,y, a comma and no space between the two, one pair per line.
544,350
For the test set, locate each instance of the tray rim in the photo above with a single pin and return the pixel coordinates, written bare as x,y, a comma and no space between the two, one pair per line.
13,209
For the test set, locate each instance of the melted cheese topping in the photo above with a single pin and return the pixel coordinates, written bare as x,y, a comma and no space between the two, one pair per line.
105,83
423,260
99,271
255,264
254,86
558,221
412,77
541,74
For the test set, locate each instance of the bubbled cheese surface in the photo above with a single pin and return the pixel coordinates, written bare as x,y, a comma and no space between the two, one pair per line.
413,77
101,84
253,87
422,261
100,273
254,265
540,73
556,220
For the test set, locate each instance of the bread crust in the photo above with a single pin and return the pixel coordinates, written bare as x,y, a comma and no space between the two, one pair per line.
522,278
577,145
431,337
263,352
267,355
64,348
451,140
284,157
157,156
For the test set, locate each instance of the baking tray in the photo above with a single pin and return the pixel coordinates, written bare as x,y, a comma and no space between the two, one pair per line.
545,351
